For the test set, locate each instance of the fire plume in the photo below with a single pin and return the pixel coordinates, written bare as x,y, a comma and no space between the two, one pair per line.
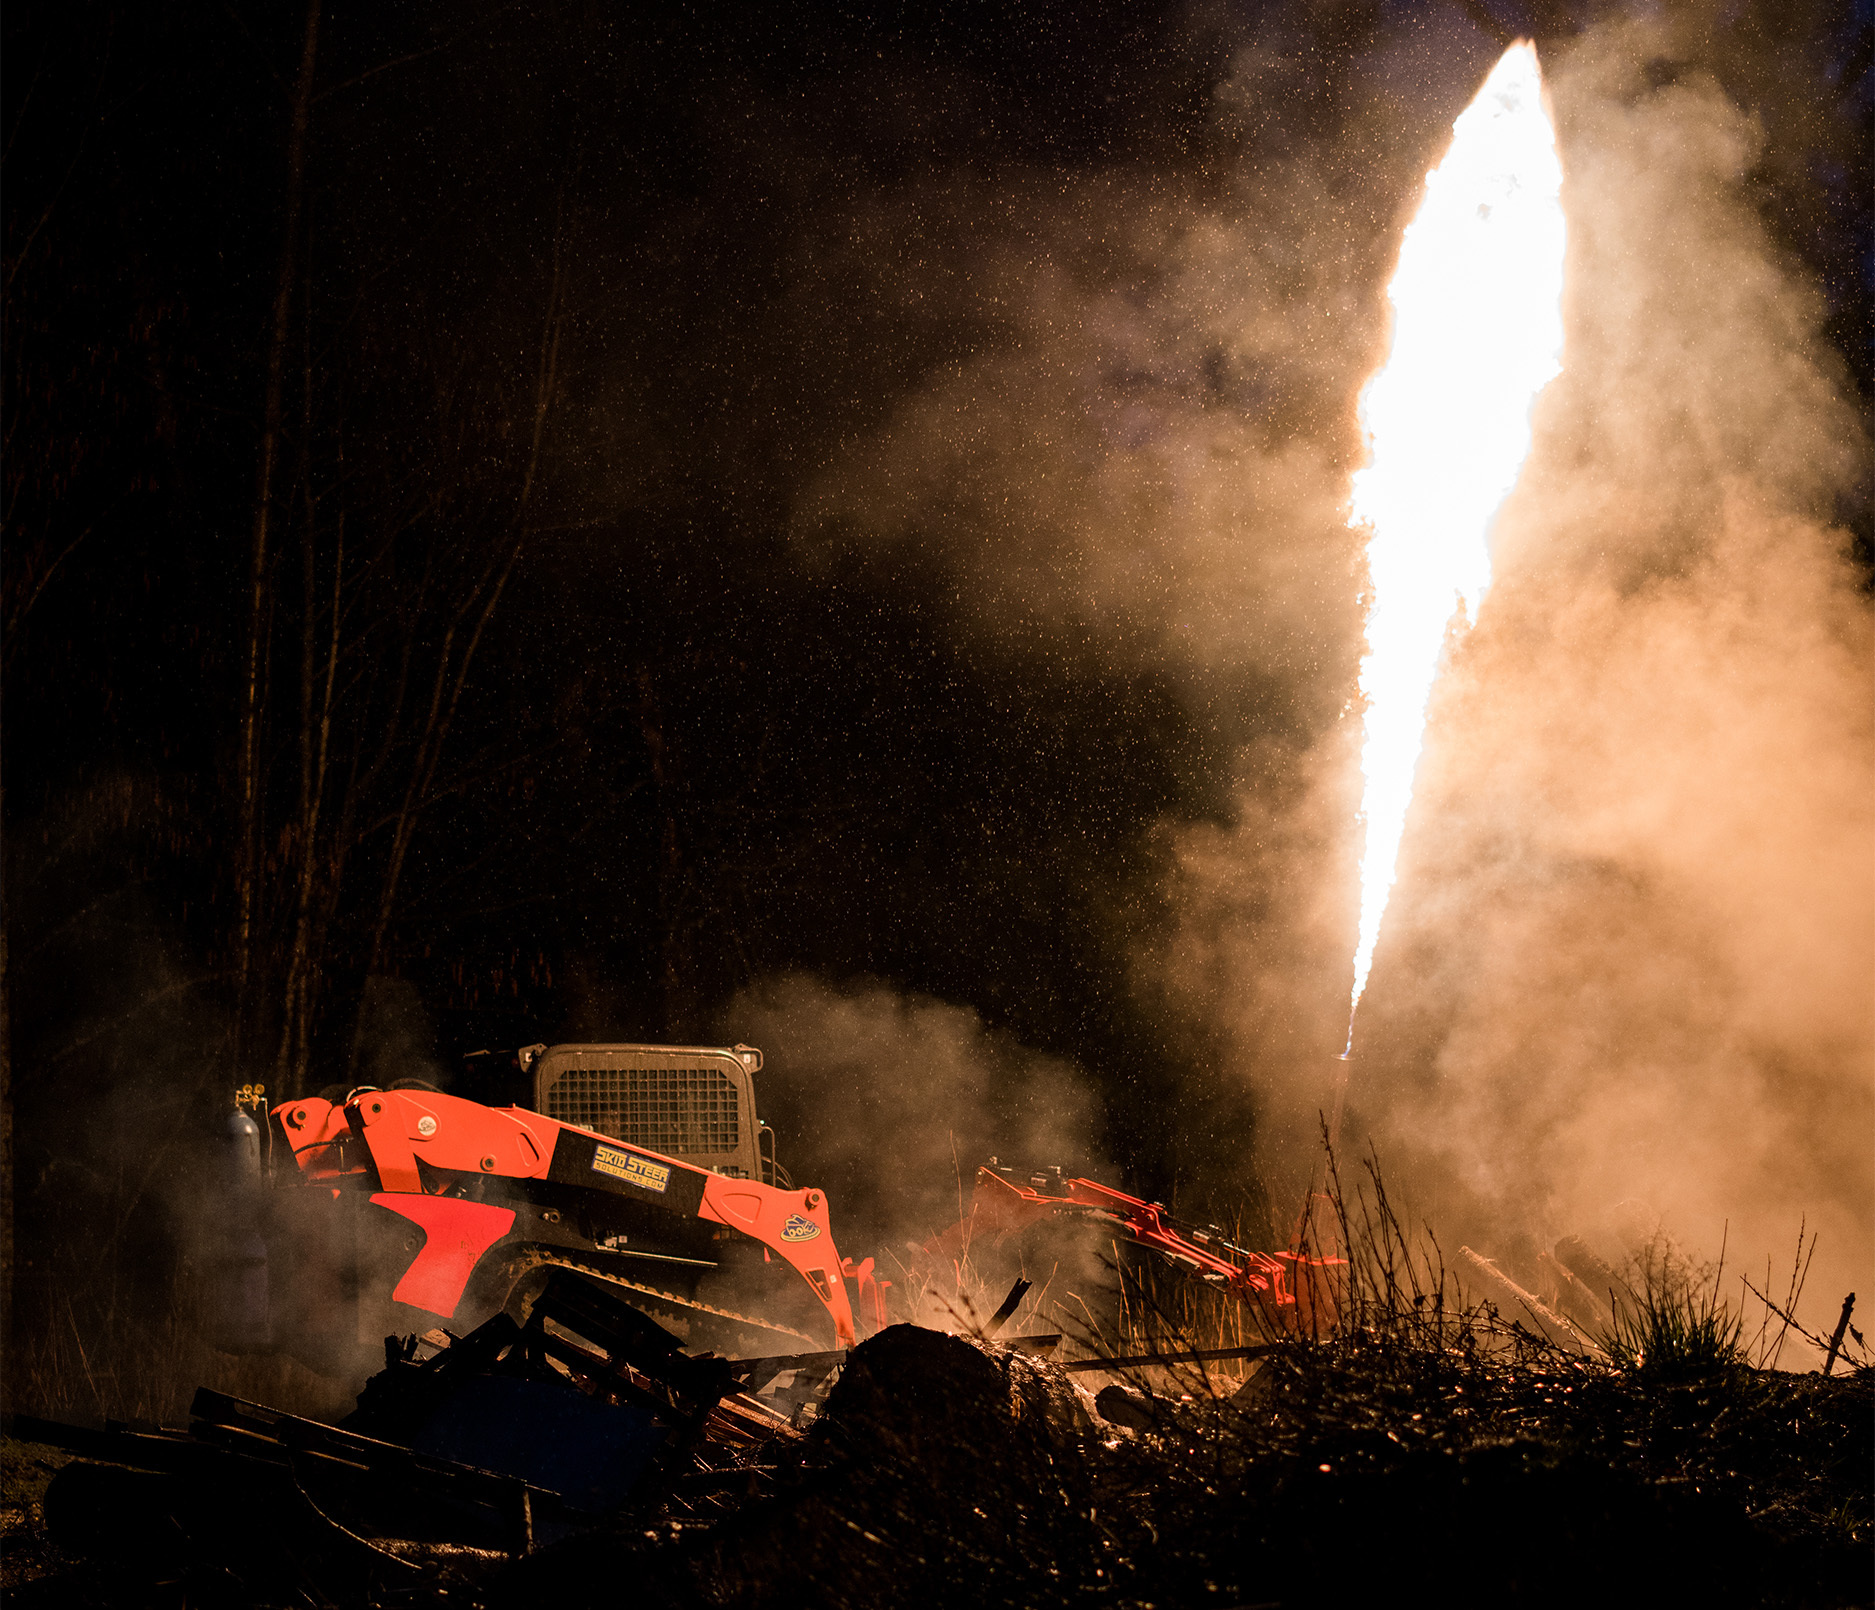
1477,334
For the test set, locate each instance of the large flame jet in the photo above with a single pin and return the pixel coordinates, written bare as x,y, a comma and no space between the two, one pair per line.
1477,334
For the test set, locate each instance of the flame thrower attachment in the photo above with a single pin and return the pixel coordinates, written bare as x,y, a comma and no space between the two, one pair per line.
484,1193
1287,1288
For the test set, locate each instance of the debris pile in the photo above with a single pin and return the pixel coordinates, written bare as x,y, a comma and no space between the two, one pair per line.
463,1453
577,1456
584,1400
947,1471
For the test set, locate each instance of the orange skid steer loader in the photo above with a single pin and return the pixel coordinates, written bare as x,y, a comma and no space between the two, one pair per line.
399,1209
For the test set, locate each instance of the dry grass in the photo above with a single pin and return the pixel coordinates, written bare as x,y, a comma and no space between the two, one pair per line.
82,1356
1420,1436
1424,1442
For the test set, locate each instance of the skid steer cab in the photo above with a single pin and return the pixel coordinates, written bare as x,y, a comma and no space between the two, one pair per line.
373,1211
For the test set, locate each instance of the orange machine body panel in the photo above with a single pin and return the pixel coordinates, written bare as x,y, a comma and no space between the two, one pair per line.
420,1144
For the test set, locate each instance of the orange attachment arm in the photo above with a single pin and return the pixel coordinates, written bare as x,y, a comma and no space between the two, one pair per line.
1001,1207
401,1126
1145,1222
795,1224
314,1128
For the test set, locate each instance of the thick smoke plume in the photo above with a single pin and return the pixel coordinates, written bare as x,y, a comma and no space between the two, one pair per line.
1628,957
1635,950
1149,448
891,1102
1626,977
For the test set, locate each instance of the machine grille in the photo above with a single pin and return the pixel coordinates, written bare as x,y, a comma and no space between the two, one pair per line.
678,1111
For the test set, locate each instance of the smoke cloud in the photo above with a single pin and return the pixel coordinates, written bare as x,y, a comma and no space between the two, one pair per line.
1633,950
1148,448
890,1102
1628,956
1627,960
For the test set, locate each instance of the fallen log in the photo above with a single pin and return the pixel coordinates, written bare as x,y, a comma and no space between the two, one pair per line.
1509,1297
1122,1405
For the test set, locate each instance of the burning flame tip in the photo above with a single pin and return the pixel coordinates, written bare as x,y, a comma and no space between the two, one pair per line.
1477,334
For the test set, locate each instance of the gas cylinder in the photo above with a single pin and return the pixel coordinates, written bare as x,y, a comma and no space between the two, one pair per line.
237,1298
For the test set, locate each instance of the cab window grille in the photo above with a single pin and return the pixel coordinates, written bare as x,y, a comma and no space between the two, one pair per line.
677,1111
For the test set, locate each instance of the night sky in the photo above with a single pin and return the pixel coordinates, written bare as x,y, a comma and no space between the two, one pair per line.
727,719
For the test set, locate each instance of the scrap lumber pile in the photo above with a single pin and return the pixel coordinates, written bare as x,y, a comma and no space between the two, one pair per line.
463,1453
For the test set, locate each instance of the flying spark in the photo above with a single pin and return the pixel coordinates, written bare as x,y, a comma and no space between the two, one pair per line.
1477,334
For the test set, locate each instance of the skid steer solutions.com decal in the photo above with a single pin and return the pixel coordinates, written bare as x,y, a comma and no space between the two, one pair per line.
631,1168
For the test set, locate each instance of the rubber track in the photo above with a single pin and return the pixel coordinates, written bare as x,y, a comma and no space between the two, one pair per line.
662,1296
